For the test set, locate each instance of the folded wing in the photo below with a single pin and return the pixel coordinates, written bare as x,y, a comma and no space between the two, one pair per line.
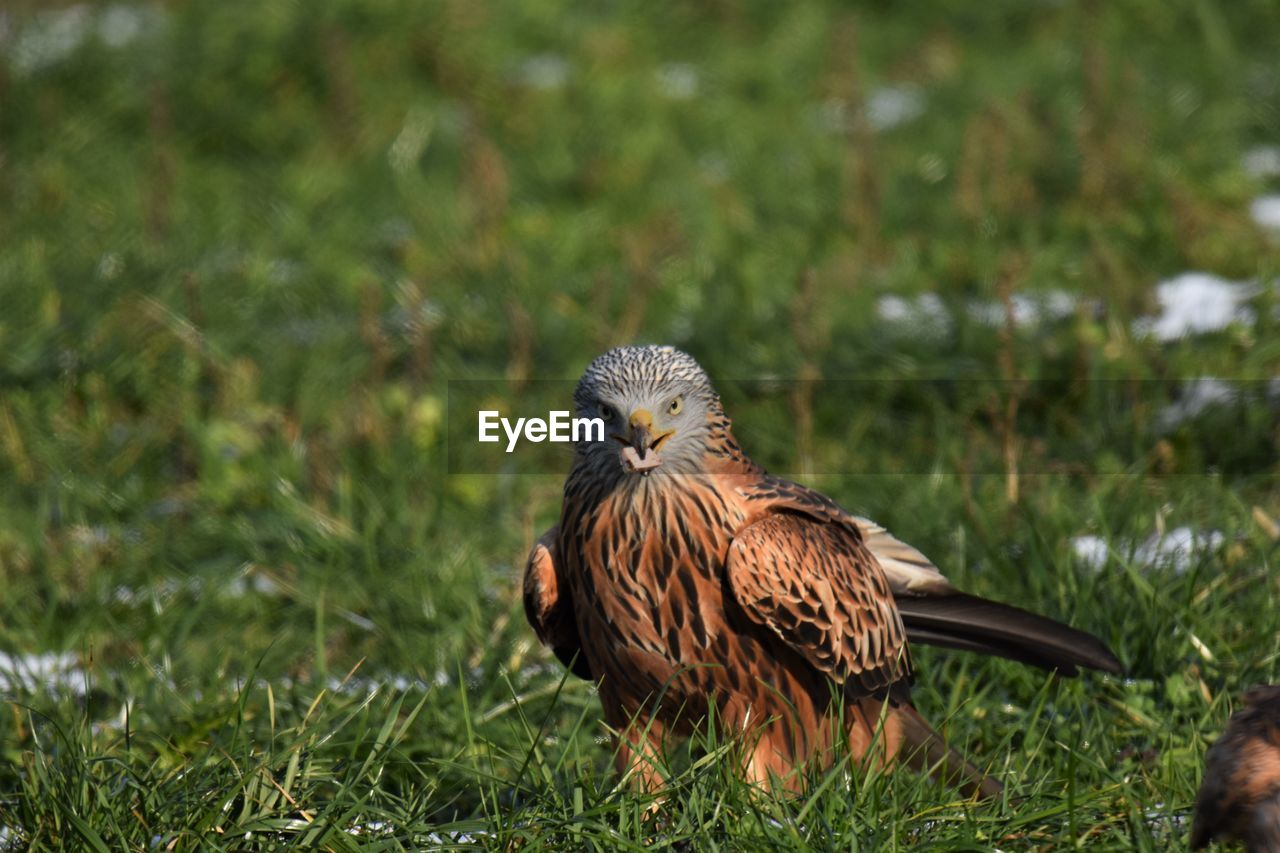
549,609
815,585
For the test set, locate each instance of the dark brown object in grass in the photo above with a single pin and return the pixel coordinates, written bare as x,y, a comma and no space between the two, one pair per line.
1240,796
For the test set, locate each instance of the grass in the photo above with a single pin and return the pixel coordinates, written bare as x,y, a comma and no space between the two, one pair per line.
253,258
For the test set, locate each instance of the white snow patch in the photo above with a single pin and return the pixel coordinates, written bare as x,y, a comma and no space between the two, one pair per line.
1029,309
52,36
361,685
255,583
157,594
1266,212
110,265
925,313
884,109
162,593
890,106
372,827
1195,303
679,81
1160,819
1175,549
1198,396
87,538
47,671
434,840
544,71
1091,550
120,26
441,839
1262,161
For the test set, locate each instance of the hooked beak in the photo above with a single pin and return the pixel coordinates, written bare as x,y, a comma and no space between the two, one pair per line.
640,446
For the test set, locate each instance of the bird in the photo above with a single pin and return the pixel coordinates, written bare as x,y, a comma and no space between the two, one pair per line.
1240,795
689,584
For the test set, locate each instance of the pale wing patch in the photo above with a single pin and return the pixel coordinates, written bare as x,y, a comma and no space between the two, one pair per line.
909,572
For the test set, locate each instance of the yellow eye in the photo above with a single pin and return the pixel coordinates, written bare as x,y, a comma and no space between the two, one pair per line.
676,405
606,411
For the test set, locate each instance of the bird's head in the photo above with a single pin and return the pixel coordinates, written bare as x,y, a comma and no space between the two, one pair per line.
658,407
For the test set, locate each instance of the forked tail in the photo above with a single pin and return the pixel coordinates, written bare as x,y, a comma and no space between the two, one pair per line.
959,621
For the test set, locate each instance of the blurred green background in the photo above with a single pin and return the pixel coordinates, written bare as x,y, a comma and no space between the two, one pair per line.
245,247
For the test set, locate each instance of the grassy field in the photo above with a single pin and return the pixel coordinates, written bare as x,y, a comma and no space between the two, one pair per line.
252,593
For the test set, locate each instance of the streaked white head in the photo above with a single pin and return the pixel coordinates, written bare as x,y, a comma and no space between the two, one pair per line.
658,408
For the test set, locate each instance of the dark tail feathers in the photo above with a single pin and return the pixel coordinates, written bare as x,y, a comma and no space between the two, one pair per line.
977,625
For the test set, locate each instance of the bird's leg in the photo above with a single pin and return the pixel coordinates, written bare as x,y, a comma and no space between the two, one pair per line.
639,753
770,763
777,757
779,754
638,766
875,733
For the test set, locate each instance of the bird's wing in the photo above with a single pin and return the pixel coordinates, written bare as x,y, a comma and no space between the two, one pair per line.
817,587
549,608
933,611
909,572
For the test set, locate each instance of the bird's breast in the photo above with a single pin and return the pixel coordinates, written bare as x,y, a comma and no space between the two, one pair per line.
649,571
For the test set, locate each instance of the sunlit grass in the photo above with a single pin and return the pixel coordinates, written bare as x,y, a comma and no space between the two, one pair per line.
244,600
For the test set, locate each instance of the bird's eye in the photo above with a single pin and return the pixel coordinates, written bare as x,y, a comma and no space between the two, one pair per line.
606,411
676,405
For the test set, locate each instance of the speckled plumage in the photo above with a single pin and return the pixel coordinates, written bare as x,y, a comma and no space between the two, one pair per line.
1240,795
704,583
